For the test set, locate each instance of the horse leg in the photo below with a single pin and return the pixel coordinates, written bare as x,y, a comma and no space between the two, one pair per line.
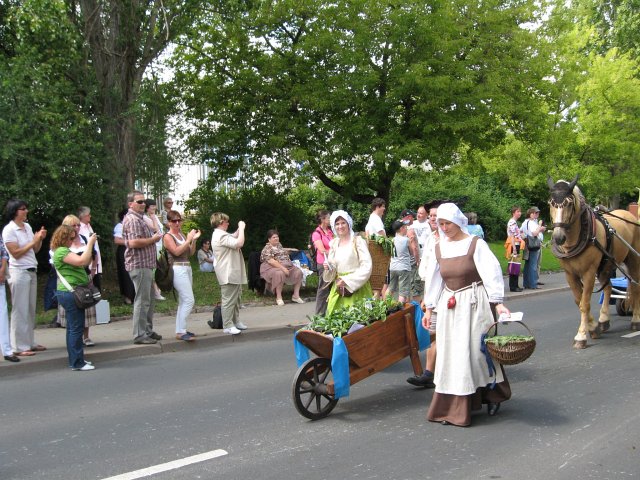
577,288
586,319
633,296
603,321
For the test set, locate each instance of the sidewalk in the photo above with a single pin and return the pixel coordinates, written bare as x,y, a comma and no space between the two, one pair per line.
114,340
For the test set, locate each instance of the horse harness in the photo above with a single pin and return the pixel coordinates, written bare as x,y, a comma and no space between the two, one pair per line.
588,231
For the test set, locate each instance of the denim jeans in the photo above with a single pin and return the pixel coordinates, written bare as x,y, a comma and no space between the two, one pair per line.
75,327
530,273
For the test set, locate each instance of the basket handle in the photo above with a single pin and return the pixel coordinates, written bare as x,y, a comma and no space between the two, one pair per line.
509,321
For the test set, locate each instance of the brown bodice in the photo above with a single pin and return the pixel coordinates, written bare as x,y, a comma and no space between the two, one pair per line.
459,272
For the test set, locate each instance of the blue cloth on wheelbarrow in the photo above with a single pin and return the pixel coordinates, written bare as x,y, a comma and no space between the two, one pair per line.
621,283
302,352
340,368
424,339
339,364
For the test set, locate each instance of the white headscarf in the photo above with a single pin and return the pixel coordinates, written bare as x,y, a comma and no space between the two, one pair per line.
451,213
341,214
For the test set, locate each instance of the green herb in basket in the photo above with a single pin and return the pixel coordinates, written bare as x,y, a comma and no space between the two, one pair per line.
502,340
388,247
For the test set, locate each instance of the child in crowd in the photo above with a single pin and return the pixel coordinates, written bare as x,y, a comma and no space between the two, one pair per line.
400,267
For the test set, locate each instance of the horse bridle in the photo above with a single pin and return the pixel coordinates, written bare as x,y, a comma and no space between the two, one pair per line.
569,200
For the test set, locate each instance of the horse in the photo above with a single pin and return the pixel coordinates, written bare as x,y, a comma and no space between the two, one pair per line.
590,245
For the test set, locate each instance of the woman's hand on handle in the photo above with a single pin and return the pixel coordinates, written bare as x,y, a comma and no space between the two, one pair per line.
502,310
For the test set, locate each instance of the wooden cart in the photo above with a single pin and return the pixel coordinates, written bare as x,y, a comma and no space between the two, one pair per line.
371,349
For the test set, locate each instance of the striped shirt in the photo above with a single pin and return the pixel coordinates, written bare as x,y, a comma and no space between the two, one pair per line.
134,227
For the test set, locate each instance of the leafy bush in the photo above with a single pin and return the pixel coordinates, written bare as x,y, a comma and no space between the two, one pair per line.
484,195
261,208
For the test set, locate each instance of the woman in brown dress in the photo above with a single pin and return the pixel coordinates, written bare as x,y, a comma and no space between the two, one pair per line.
467,289
277,268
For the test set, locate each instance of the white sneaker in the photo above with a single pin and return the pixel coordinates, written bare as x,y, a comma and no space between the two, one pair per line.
297,300
232,331
160,297
85,368
241,326
280,302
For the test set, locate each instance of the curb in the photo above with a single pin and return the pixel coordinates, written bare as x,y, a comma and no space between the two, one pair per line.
118,351
536,293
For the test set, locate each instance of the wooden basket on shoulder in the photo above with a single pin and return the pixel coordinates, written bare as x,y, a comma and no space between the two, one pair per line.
380,265
512,352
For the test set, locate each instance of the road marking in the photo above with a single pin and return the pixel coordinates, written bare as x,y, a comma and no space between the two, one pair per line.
629,335
164,467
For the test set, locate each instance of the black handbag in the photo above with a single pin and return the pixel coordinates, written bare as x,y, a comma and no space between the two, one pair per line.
216,321
84,296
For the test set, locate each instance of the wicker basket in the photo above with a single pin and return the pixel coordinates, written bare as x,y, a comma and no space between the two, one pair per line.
511,353
380,261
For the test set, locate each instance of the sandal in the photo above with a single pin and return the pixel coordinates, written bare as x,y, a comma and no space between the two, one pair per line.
185,336
191,334
38,348
26,353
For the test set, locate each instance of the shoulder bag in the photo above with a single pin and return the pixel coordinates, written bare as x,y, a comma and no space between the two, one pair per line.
84,296
533,241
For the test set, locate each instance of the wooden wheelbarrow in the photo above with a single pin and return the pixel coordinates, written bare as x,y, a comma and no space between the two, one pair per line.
371,349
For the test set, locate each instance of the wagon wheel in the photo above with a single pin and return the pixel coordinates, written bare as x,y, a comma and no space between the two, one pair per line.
622,307
310,395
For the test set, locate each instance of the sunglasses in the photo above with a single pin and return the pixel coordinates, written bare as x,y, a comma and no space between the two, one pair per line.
176,221
139,202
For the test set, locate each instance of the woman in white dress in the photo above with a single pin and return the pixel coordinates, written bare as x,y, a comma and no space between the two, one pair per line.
348,266
467,289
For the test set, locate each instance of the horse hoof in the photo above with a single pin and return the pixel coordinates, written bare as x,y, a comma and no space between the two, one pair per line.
605,326
597,332
579,344
635,326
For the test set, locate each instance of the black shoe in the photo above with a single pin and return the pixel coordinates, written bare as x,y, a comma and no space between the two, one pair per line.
145,341
540,283
425,380
11,358
492,408
155,336
517,289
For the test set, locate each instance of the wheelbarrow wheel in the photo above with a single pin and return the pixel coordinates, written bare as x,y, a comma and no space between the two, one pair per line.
622,308
310,394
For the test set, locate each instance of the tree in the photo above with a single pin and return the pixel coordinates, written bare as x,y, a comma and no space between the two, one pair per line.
122,38
50,153
609,118
349,92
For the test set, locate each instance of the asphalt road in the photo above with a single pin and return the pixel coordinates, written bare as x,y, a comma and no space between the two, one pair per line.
574,414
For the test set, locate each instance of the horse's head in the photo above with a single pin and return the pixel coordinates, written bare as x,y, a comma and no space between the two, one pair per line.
564,207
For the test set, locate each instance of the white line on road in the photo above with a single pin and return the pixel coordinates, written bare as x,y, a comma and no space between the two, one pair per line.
164,467
629,335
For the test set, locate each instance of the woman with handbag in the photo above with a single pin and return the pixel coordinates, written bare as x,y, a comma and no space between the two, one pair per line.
78,246
514,248
348,265
532,231
71,270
